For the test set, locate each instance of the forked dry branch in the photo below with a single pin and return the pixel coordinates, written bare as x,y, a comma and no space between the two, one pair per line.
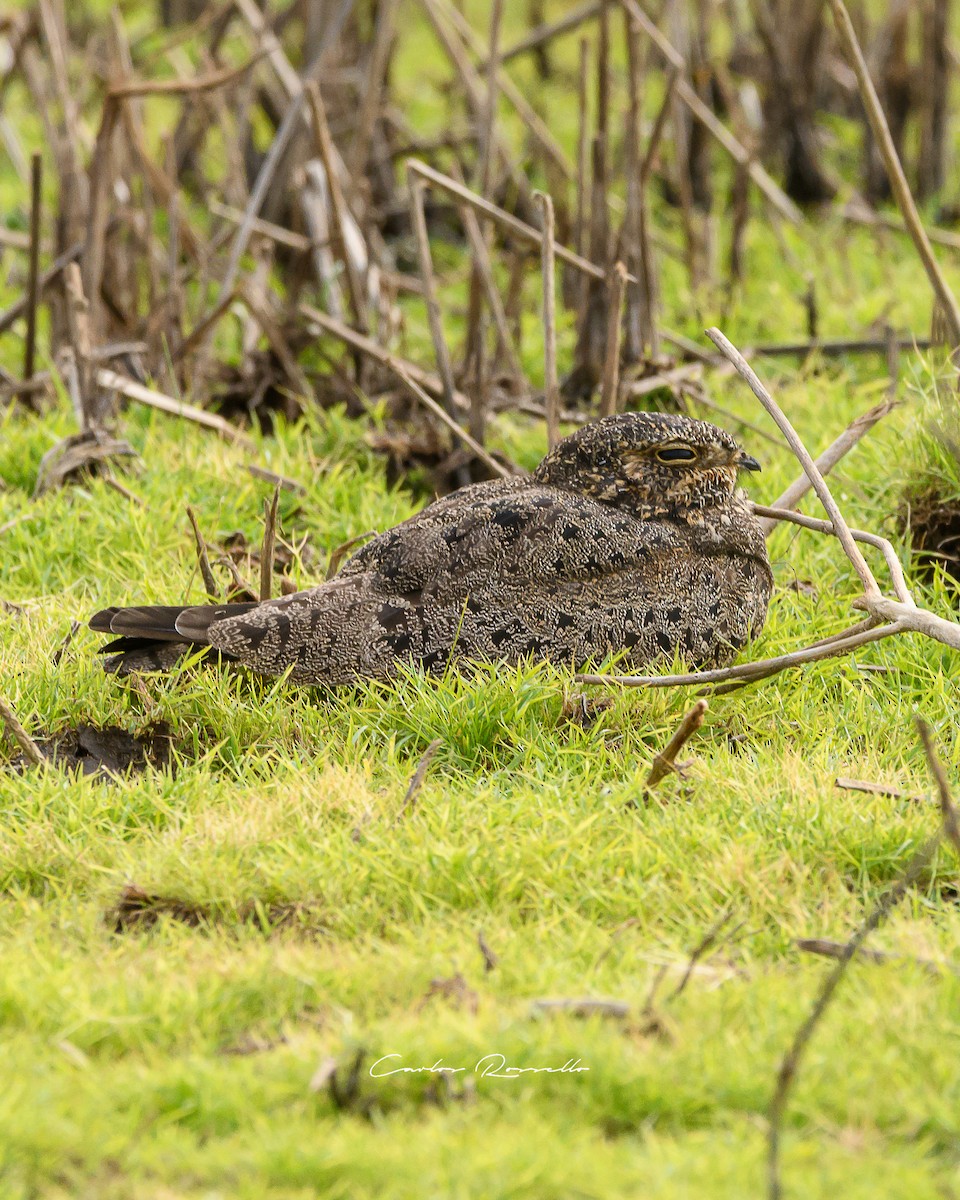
887,615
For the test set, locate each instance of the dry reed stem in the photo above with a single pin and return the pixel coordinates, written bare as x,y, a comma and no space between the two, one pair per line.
610,390
400,370
737,151
895,174
551,383
338,203
544,33
33,288
520,229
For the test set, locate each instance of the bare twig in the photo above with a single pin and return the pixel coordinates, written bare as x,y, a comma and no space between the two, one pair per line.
830,949
737,151
425,258
829,459
948,811
154,399
547,32
28,747
794,1055
519,229
872,789
733,355
416,783
490,959
706,943
665,760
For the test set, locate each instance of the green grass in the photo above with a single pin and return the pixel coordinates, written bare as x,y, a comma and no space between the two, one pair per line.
177,1060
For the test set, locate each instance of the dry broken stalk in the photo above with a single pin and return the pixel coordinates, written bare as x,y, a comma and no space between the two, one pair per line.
520,229
432,406
610,391
425,258
416,783
551,385
269,545
203,559
28,746
737,151
33,283
665,760
891,160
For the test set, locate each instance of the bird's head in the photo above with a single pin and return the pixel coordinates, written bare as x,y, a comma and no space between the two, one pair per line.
655,464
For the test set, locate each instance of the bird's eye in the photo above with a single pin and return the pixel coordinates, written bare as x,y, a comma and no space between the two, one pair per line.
676,454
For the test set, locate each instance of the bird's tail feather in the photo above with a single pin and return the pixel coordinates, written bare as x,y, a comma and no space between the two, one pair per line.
148,634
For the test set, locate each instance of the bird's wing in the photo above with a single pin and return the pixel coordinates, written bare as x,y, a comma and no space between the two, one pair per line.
518,532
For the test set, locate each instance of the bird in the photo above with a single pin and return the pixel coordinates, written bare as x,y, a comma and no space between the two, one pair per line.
631,536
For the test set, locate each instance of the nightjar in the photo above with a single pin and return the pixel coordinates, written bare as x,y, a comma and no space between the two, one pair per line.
631,535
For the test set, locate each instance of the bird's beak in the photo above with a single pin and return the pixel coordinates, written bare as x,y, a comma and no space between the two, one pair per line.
746,462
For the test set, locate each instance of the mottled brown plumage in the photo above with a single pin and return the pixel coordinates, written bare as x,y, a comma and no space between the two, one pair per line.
631,535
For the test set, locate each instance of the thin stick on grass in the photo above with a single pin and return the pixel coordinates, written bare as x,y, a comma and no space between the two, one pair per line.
794,1055
112,381
550,383
752,672
490,958
269,544
948,810
894,169
706,943
665,760
416,783
830,949
895,567
29,748
872,789
881,910
203,559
